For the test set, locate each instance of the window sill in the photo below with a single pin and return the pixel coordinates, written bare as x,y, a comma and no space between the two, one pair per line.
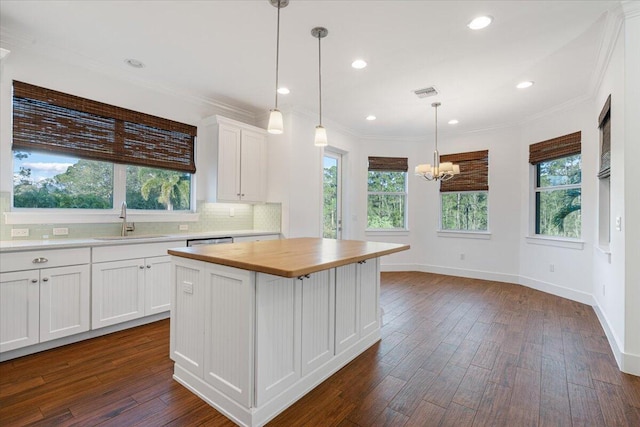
604,249
485,235
17,217
558,242
389,232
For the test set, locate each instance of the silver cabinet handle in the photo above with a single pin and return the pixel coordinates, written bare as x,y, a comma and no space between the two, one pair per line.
148,266
34,280
142,267
40,260
46,279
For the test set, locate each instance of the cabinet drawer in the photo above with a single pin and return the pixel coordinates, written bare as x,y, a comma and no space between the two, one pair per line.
129,251
17,261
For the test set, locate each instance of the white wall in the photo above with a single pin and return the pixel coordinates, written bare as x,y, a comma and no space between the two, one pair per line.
572,275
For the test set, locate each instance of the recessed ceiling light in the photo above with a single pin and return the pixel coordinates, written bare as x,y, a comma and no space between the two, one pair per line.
283,91
359,64
524,85
371,117
480,22
453,122
134,63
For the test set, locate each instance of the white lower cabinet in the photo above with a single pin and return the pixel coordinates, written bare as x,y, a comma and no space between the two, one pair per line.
39,305
368,279
127,287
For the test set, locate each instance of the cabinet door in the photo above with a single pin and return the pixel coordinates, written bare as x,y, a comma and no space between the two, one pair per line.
228,332
64,301
228,163
317,320
347,307
369,298
157,285
187,314
117,292
253,167
277,335
19,301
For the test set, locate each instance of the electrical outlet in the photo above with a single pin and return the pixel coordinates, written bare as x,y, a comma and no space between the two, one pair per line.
618,223
61,231
232,212
552,268
184,227
19,232
187,287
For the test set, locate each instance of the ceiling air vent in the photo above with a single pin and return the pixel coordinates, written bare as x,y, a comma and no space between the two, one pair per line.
426,92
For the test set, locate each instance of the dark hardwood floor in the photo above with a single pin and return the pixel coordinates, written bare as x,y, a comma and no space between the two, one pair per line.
454,352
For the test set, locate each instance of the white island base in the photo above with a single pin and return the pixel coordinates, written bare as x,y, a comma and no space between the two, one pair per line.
251,344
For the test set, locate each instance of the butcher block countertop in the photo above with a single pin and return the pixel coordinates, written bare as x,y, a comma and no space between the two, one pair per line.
289,257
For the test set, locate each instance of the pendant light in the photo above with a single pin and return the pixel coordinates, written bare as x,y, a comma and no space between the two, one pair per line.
275,117
439,171
320,139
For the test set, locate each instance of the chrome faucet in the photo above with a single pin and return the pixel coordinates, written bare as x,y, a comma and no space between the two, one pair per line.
125,225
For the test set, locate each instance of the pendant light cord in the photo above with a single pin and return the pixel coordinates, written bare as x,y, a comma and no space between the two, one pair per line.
436,128
277,53
320,78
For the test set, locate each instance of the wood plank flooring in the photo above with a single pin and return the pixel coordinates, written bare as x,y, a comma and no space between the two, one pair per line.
455,352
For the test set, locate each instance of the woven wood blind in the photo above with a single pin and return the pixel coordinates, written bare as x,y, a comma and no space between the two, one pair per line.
604,123
474,172
388,164
555,148
47,120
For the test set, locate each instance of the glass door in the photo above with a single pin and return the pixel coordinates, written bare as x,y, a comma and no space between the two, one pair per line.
332,195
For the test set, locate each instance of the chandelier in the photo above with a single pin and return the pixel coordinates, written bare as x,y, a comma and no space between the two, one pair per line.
438,171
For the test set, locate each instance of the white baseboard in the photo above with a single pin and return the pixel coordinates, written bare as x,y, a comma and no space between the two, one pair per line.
561,291
460,272
629,363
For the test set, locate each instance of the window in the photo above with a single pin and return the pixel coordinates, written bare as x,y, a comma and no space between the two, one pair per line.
387,193
558,177
604,174
75,153
463,199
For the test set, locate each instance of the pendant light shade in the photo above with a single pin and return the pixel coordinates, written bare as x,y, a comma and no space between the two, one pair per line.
276,125
438,171
320,139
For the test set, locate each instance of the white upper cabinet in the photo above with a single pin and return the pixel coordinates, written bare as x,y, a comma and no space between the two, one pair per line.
232,164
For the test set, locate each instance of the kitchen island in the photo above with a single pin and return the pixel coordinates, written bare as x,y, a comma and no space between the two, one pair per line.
255,326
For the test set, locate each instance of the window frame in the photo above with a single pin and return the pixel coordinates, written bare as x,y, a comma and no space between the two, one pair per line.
405,197
537,189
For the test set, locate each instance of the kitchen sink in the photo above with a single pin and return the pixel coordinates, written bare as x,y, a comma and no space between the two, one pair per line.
132,237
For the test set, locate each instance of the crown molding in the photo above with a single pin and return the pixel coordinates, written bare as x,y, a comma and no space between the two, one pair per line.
612,30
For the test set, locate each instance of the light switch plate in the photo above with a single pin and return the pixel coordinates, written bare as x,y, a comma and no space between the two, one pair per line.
619,223
63,231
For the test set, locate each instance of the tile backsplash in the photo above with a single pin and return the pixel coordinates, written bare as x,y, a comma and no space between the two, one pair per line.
212,217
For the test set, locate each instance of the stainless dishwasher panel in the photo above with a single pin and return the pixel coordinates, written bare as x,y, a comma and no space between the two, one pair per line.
211,241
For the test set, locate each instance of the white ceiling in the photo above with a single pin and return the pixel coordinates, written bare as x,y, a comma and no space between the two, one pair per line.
225,51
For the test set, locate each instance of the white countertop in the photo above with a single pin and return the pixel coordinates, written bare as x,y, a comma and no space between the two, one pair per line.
26,245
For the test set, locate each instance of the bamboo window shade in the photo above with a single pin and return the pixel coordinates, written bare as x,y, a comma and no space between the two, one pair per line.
388,164
51,121
604,123
474,172
555,148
